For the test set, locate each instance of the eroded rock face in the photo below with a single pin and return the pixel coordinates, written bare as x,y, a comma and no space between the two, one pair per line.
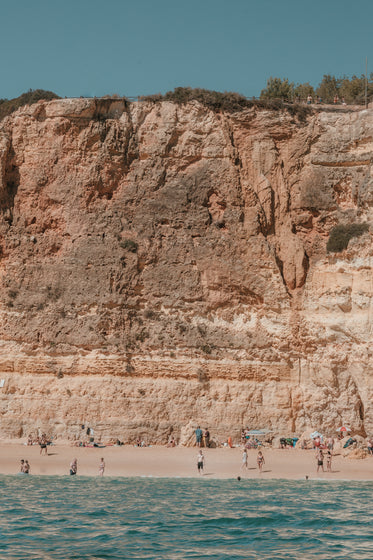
164,265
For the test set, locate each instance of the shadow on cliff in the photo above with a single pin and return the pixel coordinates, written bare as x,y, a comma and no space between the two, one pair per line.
9,191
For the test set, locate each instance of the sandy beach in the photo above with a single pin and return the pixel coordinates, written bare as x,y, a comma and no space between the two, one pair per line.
157,461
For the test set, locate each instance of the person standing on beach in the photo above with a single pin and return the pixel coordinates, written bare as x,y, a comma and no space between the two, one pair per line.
101,467
198,433
26,467
200,462
22,467
74,466
206,438
43,444
260,460
244,459
329,461
320,460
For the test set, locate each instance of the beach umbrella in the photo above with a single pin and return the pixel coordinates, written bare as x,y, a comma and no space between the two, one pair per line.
343,429
315,435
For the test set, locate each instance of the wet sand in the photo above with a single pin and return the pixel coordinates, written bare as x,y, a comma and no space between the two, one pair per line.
160,461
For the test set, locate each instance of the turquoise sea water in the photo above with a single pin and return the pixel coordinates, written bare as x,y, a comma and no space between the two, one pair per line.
86,518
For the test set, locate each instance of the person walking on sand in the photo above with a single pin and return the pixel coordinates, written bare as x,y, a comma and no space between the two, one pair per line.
200,462
74,466
101,467
260,460
320,460
244,459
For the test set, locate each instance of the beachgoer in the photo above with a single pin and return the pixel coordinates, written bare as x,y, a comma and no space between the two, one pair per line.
22,466
343,101
74,466
370,446
171,442
230,442
198,433
101,467
309,99
335,100
244,459
329,461
330,443
206,438
260,461
200,462
320,460
26,467
43,444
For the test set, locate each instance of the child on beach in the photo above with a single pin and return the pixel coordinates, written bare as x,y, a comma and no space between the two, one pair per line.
101,467
200,462
260,461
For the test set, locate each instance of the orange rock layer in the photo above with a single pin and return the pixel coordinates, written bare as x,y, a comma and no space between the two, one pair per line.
164,265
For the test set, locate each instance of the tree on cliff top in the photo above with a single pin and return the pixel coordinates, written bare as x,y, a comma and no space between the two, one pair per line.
8,106
278,88
328,88
302,91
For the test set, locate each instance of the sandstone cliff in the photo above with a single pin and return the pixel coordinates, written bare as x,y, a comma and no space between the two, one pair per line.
165,265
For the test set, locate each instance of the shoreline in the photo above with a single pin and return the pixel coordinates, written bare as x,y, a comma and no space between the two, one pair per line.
180,462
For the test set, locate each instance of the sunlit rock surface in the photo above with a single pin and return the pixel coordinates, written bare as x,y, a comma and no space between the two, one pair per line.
165,265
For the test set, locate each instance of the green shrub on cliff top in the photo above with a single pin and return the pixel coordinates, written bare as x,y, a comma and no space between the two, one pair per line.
227,101
8,106
340,236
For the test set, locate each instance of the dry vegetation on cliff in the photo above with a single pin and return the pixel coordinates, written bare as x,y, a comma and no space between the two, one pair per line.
341,234
8,106
226,101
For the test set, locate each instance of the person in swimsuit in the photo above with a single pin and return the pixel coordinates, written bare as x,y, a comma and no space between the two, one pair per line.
244,459
260,461
74,466
43,444
320,460
329,461
200,462
26,467
22,467
101,467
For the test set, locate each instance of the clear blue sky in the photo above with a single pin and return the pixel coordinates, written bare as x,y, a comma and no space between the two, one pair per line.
138,47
